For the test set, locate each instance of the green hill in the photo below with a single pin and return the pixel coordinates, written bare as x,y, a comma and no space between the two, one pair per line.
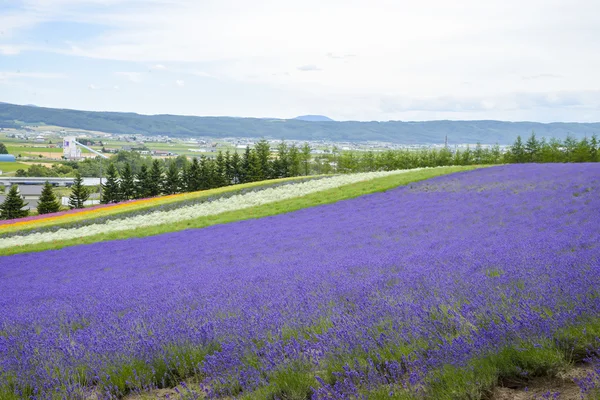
392,131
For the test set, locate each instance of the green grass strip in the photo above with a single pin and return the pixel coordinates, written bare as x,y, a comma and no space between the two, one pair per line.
311,200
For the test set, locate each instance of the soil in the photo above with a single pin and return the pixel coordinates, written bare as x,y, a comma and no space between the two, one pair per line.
562,387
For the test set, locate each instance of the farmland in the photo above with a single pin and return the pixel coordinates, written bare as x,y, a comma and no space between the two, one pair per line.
440,288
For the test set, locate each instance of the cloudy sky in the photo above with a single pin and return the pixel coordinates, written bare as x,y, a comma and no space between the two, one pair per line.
348,59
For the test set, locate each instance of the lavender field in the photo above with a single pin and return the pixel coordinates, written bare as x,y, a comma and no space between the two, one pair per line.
433,290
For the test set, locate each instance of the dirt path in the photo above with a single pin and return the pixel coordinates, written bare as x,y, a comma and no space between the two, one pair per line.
562,387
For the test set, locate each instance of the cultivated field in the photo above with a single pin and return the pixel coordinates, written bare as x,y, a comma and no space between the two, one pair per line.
443,288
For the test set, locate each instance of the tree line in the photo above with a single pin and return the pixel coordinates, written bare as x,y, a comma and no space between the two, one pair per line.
255,164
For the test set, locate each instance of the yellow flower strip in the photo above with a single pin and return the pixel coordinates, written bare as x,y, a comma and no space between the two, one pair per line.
132,205
98,211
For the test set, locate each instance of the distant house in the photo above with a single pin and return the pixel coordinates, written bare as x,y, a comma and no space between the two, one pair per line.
30,192
161,153
31,195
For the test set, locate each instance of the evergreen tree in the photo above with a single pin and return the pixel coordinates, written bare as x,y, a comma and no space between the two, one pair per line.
156,179
255,172
294,161
478,154
467,157
245,167
185,178
3,149
48,203
220,172
127,184
594,149
263,154
236,168
532,148
172,180
194,183
111,192
79,193
228,168
13,205
570,144
142,184
517,151
305,158
282,170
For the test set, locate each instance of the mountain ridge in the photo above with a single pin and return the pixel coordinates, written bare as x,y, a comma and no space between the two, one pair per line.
406,132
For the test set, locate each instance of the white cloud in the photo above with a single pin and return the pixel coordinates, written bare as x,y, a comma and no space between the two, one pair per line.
159,67
134,77
10,50
180,83
91,86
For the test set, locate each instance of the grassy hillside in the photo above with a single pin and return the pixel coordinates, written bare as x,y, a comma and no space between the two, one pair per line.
392,131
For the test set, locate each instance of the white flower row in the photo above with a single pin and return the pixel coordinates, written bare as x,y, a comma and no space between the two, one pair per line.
218,206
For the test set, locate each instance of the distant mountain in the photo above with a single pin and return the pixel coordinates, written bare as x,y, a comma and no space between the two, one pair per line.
427,132
314,118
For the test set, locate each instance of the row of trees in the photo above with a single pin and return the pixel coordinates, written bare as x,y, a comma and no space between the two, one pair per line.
554,150
14,205
202,173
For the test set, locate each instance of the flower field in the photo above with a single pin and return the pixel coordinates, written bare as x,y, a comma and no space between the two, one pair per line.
121,210
183,212
440,289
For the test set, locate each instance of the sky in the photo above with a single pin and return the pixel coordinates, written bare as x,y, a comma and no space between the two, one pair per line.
515,60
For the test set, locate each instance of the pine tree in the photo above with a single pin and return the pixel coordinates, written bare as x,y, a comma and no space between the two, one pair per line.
478,154
48,202
220,171
13,204
236,168
156,179
282,170
111,192
305,157
532,148
255,171
594,148
245,166
79,193
142,184
172,180
294,161
127,184
194,179
228,168
517,151
3,149
185,178
263,153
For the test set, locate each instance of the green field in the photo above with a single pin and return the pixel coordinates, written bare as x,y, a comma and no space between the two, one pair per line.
11,166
